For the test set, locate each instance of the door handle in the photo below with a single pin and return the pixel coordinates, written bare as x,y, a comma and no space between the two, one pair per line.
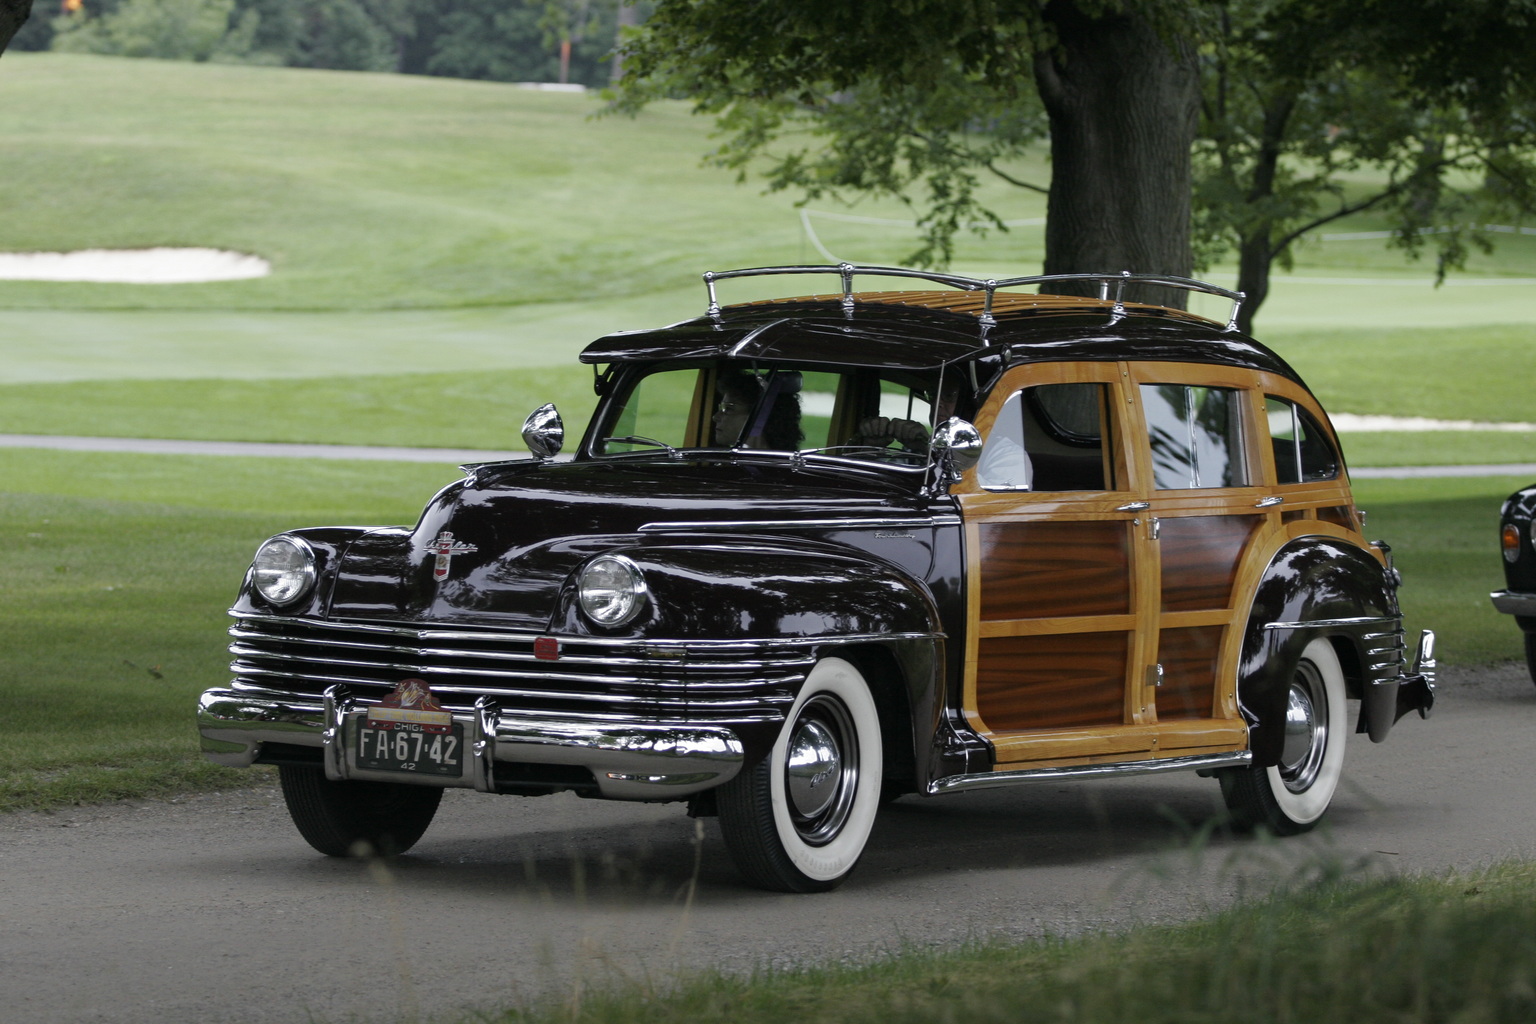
1134,506
1269,502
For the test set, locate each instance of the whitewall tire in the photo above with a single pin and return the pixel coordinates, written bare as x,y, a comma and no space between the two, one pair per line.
799,819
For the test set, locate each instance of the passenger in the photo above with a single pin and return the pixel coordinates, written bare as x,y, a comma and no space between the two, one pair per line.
776,400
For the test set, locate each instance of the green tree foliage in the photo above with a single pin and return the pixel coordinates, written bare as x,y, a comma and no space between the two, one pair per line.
1289,99
519,41
1300,97
168,29
921,98
501,40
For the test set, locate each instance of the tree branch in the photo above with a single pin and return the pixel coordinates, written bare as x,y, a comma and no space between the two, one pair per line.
1010,179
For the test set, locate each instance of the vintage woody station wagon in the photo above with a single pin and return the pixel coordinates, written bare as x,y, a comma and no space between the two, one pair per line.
816,553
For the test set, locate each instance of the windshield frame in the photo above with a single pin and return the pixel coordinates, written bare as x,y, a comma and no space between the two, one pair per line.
621,381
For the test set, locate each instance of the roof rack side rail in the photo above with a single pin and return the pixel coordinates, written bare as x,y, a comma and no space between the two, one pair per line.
844,270
1125,277
1106,282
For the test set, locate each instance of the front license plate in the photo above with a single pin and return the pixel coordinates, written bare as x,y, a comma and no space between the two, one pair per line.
410,748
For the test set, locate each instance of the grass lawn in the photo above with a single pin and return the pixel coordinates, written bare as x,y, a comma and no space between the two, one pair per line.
119,570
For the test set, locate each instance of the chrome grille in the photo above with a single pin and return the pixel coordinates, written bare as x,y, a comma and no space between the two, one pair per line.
719,681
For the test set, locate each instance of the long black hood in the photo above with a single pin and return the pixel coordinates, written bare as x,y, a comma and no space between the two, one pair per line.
500,547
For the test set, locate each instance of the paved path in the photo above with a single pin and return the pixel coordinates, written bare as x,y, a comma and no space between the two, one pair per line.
211,910
460,456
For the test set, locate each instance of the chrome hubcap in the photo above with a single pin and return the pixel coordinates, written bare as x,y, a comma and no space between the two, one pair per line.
821,769
1306,729
814,765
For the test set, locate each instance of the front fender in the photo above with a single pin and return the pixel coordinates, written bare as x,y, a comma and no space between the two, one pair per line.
330,545
1313,586
764,592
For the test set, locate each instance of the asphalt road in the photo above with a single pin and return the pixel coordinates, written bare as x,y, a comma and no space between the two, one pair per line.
211,909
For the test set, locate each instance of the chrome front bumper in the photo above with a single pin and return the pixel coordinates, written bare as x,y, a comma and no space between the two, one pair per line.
628,760
1514,602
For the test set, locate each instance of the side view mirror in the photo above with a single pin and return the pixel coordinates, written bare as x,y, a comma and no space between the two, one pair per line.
544,432
957,445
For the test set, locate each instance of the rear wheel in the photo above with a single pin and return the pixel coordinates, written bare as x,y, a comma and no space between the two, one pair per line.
1291,796
799,819
354,818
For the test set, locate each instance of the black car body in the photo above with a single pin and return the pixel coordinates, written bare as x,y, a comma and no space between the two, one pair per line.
816,553
1517,539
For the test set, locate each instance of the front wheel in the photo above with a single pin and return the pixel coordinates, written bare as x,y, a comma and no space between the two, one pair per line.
799,819
355,818
1530,654
1291,796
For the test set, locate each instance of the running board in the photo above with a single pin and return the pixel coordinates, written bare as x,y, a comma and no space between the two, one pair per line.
984,780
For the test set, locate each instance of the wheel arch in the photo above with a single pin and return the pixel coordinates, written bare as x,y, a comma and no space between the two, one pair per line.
889,674
1313,586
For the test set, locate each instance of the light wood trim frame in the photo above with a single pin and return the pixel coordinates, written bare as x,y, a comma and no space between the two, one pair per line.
1142,733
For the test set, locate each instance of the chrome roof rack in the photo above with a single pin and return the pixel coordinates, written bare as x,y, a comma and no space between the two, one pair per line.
990,287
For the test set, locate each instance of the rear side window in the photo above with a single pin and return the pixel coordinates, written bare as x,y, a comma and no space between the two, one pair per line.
1303,453
1196,435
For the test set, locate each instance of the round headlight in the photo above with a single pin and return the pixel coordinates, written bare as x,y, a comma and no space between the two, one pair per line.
611,590
284,570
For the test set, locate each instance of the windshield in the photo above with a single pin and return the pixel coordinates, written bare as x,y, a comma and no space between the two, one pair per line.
880,415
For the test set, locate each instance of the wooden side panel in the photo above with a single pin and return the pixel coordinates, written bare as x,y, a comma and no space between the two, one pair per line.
1188,658
1053,681
1199,559
1341,515
1045,570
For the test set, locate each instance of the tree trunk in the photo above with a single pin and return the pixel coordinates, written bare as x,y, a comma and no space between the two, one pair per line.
1253,264
628,18
1257,246
1123,103
12,14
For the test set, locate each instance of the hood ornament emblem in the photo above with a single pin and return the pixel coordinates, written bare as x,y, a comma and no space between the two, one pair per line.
445,547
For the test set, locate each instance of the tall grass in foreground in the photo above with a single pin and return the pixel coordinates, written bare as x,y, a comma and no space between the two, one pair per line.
1457,949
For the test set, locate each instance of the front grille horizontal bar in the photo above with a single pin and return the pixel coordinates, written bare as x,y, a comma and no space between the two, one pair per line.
785,648
569,654
318,677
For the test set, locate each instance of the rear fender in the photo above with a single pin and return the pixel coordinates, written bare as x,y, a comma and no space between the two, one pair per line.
1341,588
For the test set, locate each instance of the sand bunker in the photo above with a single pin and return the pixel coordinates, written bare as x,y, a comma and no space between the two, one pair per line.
133,266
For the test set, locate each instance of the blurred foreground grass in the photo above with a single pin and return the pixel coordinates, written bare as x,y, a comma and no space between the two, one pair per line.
1457,949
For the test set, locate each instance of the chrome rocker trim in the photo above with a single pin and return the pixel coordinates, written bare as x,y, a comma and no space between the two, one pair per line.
987,780
1514,602
628,760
